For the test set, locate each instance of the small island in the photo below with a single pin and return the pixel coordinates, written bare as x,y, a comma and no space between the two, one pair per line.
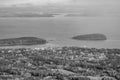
75,15
22,41
91,37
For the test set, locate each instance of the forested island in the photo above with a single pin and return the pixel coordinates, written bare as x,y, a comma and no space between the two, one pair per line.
22,41
91,37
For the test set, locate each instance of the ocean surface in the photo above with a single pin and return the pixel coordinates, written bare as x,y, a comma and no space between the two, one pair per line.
59,30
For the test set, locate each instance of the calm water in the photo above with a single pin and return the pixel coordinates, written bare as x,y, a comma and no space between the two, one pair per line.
61,29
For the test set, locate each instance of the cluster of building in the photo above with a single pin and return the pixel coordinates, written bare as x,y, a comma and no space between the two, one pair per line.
60,63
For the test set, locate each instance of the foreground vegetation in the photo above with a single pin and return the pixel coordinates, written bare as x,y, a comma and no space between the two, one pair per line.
60,63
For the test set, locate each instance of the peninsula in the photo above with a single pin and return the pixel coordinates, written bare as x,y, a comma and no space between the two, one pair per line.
91,37
22,41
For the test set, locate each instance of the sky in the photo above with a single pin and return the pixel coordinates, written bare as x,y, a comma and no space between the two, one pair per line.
45,2
32,2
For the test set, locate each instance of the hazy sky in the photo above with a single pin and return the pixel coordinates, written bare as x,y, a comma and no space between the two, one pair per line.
44,2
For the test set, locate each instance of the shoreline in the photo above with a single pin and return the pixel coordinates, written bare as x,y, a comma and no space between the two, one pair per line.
50,45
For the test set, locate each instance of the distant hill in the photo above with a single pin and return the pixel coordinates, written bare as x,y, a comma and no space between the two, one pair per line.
91,37
22,41
26,15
